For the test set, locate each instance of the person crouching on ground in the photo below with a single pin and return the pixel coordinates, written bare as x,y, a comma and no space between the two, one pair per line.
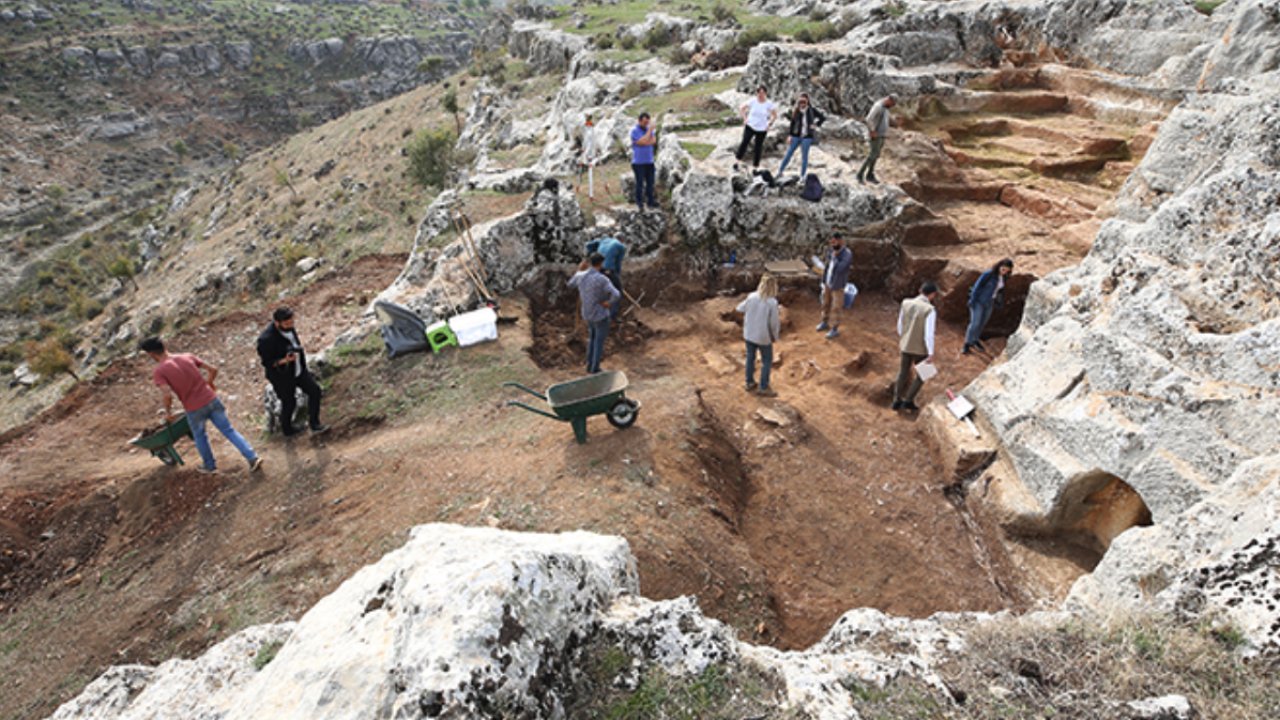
835,275
758,115
986,295
804,119
760,328
181,375
916,324
285,363
597,295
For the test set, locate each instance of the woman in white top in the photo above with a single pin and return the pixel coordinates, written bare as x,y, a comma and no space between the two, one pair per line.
760,328
758,115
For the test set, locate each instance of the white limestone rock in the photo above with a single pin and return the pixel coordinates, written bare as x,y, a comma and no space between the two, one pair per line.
201,689
459,622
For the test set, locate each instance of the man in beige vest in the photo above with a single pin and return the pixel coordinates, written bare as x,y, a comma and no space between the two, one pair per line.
916,323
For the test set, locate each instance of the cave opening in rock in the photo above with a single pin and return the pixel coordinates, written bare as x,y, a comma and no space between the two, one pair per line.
1095,509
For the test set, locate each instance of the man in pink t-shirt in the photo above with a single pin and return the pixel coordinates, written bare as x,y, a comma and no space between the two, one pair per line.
181,375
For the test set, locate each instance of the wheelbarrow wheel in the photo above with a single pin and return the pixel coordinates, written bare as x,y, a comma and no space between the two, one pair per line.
623,414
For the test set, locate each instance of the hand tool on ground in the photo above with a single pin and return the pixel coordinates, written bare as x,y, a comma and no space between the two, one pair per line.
962,409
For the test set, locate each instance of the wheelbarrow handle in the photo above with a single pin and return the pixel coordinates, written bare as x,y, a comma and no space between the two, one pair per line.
530,408
529,390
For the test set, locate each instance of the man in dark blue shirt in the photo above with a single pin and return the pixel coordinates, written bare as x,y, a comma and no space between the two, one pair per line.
597,295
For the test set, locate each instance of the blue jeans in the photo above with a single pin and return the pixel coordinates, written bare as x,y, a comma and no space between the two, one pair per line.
597,331
979,314
766,362
644,184
803,144
616,280
217,414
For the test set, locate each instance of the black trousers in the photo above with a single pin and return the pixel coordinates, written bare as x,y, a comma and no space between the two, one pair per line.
749,134
289,401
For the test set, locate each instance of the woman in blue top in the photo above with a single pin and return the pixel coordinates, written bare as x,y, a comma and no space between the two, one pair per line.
985,296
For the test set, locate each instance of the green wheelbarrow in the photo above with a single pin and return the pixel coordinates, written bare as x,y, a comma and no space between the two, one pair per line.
160,442
574,401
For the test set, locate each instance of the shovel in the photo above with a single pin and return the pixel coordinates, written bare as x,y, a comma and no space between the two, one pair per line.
962,409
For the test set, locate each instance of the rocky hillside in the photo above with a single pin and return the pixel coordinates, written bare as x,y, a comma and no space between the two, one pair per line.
1125,153
112,108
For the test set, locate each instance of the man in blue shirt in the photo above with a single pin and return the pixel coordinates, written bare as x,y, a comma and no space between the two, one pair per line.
642,142
597,295
613,251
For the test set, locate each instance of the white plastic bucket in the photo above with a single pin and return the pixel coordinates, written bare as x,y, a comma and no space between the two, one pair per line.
475,327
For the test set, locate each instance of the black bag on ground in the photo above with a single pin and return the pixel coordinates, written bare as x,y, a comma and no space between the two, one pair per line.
812,188
402,330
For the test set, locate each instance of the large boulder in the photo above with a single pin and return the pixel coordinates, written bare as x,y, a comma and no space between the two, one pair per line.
545,49
460,622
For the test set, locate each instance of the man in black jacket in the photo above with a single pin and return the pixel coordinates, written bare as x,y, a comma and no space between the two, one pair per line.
286,365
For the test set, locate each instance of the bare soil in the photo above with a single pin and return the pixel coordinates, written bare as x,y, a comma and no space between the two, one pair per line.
778,514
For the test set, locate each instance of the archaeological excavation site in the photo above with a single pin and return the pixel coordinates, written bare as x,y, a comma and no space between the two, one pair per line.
1077,514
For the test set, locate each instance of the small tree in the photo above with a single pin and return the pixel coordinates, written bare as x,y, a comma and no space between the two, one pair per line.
124,269
431,157
450,103
282,180
430,64
180,149
48,357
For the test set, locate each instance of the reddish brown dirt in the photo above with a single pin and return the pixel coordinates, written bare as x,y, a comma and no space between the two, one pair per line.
776,529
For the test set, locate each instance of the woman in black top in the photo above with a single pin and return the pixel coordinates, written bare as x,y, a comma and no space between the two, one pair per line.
804,118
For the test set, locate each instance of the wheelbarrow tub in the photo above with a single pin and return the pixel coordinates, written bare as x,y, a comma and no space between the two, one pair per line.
590,395
161,442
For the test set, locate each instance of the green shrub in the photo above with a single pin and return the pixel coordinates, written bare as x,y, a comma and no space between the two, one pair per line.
431,157
721,13
627,42
266,654
604,41
658,36
634,89
679,56
1207,6
751,38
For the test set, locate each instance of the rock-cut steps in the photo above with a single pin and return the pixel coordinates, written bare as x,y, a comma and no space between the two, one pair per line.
1019,163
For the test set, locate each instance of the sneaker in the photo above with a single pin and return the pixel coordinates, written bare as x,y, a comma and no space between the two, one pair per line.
910,406
207,470
256,465
967,349
823,326
751,386
978,344
897,405
321,428
835,332
766,392
862,180
873,179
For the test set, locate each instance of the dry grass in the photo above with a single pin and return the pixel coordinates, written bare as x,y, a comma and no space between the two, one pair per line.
1024,668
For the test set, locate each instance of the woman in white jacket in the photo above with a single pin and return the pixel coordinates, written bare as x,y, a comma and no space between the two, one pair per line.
760,327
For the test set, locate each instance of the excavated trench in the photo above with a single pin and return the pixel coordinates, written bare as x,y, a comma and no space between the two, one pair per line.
839,503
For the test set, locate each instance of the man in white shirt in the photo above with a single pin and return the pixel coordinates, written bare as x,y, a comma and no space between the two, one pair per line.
758,115
916,324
